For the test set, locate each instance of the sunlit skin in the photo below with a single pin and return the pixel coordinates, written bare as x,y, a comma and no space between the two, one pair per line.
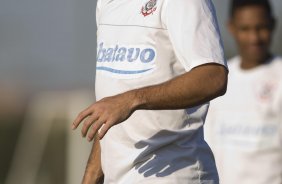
252,29
190,89
205,83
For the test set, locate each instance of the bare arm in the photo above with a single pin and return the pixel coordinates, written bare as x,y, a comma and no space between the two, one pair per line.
93,172
193,88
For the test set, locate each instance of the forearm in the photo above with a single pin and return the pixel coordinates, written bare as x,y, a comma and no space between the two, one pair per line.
187,90
93,173
193,88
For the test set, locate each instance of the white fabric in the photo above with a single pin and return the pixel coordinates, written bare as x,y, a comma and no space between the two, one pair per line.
133,51
243,127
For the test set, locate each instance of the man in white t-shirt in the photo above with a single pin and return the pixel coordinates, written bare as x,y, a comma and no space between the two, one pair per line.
159,63
243,128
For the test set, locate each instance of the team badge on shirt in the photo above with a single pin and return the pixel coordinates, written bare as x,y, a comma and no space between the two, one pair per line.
265,90
149,7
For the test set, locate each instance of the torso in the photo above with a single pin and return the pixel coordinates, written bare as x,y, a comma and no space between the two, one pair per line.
165,146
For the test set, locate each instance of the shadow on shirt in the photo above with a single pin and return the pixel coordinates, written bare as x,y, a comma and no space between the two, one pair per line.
169,151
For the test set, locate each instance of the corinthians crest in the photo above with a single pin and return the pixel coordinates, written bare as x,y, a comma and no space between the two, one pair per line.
149,7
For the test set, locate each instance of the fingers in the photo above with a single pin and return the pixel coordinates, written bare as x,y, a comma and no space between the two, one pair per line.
87,124
96,126
81,116
104,129
93,120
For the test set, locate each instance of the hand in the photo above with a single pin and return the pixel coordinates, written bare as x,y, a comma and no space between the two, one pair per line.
104,114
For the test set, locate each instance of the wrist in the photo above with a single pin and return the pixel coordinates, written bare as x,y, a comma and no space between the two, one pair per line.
136,99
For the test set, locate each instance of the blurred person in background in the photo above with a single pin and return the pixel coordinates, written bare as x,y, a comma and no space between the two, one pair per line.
243,128
159,63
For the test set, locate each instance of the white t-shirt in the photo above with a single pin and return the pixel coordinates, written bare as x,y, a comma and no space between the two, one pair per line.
243,127
147,42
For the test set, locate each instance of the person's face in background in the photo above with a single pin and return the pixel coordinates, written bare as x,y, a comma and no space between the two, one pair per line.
252,28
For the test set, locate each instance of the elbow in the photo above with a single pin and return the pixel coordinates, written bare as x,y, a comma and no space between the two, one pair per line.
212,79
220,81
222,89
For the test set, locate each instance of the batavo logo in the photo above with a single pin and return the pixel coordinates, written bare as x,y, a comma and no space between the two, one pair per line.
149,7
125,61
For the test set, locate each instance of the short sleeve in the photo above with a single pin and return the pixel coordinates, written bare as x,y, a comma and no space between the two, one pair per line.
194,33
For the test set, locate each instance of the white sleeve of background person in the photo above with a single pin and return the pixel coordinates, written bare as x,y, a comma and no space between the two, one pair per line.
194,32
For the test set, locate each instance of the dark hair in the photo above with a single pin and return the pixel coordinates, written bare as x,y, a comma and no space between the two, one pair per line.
237,4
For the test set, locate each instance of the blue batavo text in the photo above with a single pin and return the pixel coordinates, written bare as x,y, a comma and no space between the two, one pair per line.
121,54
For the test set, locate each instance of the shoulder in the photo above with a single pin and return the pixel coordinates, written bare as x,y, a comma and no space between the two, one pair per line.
275,67
191,4
277,61
275,72
196,2
193,11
